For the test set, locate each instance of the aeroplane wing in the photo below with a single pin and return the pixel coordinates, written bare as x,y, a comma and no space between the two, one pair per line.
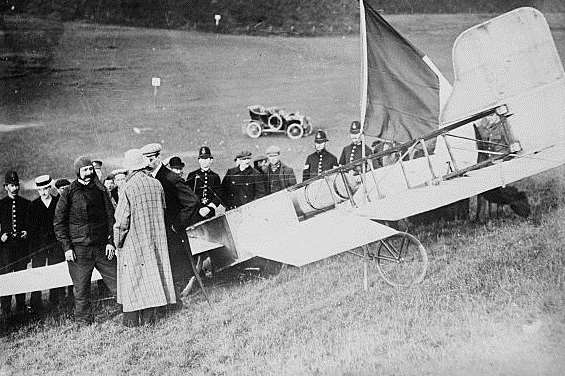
38,279
322,236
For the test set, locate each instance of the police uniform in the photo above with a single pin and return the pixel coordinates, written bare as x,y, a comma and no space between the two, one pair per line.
241,187
320,160
206,184
353,151
14,251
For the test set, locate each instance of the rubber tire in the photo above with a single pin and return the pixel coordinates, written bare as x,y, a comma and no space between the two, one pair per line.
253,129
292,128
278,122
390,272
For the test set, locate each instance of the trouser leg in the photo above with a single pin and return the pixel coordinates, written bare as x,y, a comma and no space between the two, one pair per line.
56,256
108,270
131,319
37,261
81,273
20,298
181,269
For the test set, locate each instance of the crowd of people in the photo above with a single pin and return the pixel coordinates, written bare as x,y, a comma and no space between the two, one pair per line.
129,225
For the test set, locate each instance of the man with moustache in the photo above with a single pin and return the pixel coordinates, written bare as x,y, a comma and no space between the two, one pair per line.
181,207
242,184
206,184
279,175
43,246
83,222
353,151
13,237
321,160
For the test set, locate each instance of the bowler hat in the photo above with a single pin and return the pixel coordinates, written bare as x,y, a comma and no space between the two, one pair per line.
204,152
11,178
176,162
320,137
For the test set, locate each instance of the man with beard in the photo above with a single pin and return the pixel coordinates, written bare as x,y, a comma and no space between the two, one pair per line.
319,161
206,184
182,205
145,282
353,151
242,184
43,245
13,237
83,223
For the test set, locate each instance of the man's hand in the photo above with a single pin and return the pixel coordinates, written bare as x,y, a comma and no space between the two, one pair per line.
110,251
24,234
70,255
204,211
4,237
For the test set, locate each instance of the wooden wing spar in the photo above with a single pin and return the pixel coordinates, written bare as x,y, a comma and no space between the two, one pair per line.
509,81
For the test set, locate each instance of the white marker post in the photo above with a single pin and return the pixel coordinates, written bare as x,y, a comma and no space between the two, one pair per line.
217,19
155,82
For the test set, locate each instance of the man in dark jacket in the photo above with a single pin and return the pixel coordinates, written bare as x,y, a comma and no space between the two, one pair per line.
13,236
242,184
182,205
206,184
321,160
353,151
83,222
43,245
279,175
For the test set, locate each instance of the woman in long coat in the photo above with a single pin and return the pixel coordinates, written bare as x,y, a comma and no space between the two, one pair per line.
145,281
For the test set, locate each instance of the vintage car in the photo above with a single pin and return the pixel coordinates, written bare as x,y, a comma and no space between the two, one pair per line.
275,120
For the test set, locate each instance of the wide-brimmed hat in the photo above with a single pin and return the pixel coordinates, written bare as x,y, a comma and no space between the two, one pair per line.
43,181
134,160
176,162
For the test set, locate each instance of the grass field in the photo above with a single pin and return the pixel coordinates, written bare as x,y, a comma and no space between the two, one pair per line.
494,298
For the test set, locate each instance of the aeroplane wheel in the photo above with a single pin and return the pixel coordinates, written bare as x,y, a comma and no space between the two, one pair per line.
401,259
294,131
253,129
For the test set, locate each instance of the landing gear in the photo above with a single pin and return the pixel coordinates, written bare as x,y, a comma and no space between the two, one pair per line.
401,259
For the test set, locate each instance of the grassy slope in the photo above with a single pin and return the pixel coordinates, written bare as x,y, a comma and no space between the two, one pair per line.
493,302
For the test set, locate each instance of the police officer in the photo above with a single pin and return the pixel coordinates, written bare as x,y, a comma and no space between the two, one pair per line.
353,151
242,184
206,184
13,236
321,160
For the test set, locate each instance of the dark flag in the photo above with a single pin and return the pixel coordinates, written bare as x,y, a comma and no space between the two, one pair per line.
401,87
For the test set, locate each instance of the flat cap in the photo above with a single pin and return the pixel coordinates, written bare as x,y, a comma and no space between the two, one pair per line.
97,163
273,150
245,154
151,150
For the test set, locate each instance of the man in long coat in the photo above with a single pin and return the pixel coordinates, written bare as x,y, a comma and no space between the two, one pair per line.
182,205
145,281
242,184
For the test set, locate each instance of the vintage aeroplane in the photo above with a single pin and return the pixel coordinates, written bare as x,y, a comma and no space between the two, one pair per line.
509,80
